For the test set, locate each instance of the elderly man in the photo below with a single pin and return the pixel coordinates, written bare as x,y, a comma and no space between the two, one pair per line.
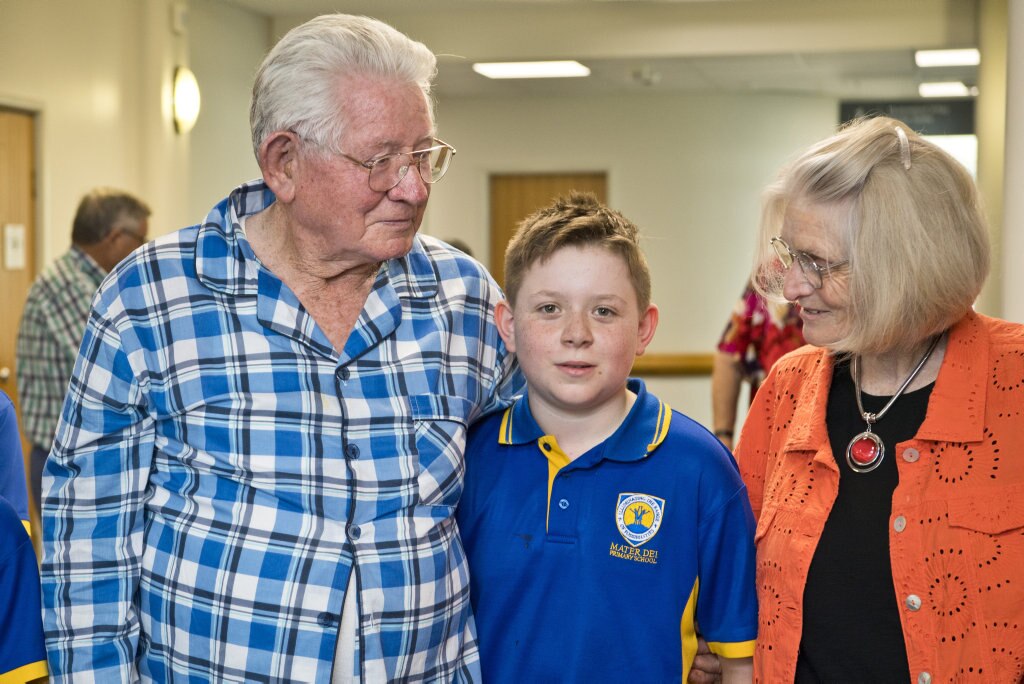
262,447
108,225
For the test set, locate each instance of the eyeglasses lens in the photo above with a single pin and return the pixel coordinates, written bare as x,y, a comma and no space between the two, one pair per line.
430,164
808,268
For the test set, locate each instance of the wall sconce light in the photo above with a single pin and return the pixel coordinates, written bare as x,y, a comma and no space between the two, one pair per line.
186,100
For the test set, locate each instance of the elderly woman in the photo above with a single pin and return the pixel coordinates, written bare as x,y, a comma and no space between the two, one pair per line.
885,461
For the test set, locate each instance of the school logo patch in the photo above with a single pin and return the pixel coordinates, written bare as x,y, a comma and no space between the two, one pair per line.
638,517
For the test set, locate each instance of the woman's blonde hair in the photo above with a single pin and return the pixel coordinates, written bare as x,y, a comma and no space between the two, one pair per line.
910,220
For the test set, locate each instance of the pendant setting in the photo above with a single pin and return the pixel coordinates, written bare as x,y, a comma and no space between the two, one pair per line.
865,452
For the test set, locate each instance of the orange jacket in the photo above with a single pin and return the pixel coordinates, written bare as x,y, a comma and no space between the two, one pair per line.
956,534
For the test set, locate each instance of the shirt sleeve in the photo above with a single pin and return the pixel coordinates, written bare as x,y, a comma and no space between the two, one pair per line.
94,484
22,655
507,380
727,596
13,485
752,449
42,369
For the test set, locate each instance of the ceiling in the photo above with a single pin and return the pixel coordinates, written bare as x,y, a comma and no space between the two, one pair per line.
847,49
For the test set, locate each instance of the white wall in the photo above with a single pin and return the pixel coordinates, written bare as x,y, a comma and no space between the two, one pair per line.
227,44
98,75
687,169
77,65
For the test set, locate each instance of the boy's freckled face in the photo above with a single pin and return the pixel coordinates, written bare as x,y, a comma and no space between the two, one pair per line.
576,329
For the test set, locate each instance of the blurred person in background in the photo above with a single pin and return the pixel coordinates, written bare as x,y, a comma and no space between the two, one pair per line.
757,335
108,226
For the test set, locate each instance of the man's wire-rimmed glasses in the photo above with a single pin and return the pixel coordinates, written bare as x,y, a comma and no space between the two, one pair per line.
813,272
388,171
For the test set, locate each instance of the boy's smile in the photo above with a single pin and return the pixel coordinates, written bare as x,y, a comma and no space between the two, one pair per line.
576,328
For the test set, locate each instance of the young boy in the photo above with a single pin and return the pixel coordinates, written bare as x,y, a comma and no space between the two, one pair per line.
600,526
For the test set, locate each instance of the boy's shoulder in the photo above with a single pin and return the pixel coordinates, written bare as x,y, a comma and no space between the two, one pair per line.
493,420
688,445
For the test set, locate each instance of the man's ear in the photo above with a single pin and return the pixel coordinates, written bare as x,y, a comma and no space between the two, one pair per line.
645,331
278,159
505,322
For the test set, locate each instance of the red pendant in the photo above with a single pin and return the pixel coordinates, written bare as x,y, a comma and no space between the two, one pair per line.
865,452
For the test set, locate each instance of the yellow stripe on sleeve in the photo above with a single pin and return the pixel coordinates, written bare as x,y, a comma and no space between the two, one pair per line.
25,673
739,649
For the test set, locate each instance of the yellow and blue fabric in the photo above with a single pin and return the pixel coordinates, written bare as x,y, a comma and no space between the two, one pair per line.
13,486
22,650
600,568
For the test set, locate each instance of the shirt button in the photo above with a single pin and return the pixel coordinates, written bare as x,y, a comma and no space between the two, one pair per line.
910,455
899,524
325,619
354,532
352,451
547,446
344,373
563,504
924,678
913,602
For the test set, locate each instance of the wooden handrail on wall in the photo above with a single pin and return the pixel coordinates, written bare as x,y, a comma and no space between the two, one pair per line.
673,364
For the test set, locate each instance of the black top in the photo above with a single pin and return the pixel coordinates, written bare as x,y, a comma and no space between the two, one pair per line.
851,629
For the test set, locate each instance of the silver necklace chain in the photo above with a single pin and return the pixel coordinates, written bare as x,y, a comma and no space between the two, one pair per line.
872,418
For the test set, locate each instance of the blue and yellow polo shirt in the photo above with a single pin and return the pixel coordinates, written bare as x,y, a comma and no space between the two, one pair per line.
599,569
22,651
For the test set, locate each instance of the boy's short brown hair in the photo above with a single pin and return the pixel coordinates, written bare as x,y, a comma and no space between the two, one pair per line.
575,220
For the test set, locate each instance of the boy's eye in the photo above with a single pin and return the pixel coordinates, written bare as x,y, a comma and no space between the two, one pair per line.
548,308
604,311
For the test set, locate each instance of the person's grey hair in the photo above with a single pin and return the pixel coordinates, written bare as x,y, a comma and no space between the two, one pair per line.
910,221
100,209
298,86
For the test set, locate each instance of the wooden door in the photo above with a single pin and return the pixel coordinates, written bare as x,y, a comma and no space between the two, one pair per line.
17,237
516,196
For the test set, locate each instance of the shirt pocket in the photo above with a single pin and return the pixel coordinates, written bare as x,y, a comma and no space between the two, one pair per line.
990,510
440,424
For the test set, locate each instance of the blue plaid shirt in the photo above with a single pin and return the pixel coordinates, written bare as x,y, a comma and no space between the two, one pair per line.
221,475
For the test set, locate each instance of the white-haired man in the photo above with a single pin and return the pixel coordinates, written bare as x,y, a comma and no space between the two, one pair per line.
262,445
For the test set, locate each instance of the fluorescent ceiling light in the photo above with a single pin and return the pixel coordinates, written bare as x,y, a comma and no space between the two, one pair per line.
942,58
943,89
563,69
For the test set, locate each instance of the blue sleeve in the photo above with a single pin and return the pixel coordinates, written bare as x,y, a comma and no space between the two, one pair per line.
95,484
22,653
727,599
13,485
